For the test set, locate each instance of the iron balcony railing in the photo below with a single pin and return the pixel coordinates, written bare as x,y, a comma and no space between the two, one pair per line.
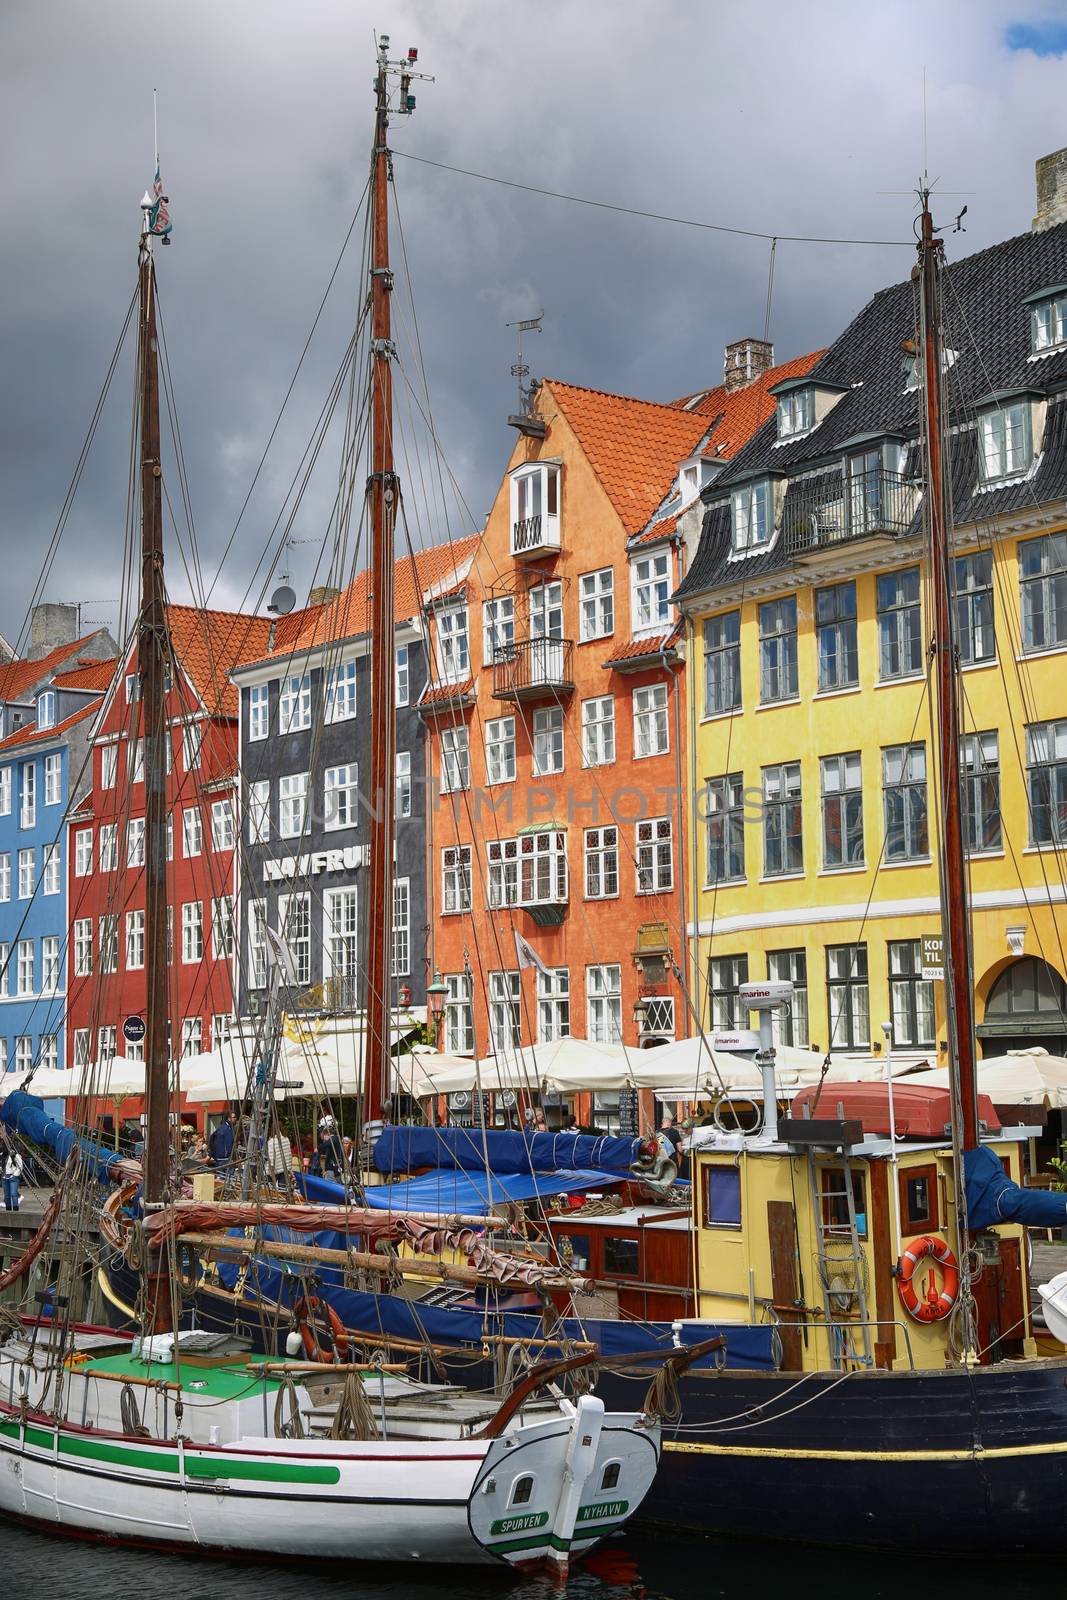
529,668
839,507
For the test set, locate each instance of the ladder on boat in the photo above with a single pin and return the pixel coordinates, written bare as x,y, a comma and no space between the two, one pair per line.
842,1264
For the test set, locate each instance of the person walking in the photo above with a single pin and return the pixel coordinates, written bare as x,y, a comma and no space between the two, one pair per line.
221,1141
12,1178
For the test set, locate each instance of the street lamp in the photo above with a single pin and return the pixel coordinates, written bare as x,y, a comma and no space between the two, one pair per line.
435,997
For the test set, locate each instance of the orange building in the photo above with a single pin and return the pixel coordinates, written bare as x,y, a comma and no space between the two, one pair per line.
555,714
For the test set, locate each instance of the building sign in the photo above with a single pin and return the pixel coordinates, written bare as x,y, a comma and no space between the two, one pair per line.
628,1113
133,1029
933,955
346,860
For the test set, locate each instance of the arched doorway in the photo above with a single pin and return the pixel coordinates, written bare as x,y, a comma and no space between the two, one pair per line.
1027,1007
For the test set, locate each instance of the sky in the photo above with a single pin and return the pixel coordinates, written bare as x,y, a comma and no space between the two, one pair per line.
777,118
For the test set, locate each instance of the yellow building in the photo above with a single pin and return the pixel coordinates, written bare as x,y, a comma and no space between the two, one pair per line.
813,809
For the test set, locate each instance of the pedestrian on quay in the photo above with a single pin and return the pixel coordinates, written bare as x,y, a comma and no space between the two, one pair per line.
12,1178
221,1142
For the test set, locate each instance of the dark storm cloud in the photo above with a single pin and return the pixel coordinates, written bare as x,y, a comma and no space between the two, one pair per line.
780,118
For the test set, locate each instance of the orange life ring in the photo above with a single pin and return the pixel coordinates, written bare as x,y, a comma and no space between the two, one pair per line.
305,1309
937,1302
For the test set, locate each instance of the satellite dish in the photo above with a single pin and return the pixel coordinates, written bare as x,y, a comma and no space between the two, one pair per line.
282,600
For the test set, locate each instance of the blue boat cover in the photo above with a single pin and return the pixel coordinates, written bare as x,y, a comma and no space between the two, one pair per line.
405,1149
449,1191
993,1197
26,1114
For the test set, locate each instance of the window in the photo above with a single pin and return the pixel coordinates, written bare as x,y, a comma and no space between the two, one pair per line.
911,996
192,931
503,858
107,1041
257,944
500,750
522,1492
135,842
192,1036
49,1056
340,941
455,760
900,646
651,737
459,1014
258,711
1043,581
456,878
1006,444
659,1016
505,1011
340,797
652,591
192,832
498,626
553,1004
49,964
83,946
783,841
603,993
750,515
53,779
292,804
722,664
222,927
5,791
721,1196
134,939
192,745
918,1199
402,674
621,1256
5,970
842,811
294,925
598,731
534,508
109,847
846,996
974,607
727,974
83,852
453,654
980,772
401,927
778,650
109,943
542,869
547,741
596,604
81,1047
1048,323
904,788
27,873
46,709
601,863
23,1053
655,856
341,693
133,687
835,631
259,811
796,412
402,783
169,936
790,966
294,703
109,765
28,803
545,603
5,875
222,824
836,1218
725,829
221,1028
1046,778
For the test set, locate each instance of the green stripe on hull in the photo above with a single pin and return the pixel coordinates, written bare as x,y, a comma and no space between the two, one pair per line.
205,1467
499,1547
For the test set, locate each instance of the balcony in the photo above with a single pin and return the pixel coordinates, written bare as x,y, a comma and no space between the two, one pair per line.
534,536
531,669
836,509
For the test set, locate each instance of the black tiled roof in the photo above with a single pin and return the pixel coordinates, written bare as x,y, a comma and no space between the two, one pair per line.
987,324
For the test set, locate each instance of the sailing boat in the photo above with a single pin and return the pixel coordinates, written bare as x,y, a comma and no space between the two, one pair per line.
177,1439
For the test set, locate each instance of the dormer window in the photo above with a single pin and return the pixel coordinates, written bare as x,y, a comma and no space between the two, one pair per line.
535,508
46,709
751,515
796,412
1048,319
1006,441
911,370
692,476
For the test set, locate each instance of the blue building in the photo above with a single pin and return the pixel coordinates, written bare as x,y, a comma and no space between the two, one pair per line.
47,710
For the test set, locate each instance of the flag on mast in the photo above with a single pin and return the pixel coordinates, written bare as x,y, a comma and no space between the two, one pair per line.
527,956
159,221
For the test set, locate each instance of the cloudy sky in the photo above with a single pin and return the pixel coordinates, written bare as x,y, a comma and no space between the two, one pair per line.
778,118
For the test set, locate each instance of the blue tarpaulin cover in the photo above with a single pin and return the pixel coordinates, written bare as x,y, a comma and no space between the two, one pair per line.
993,1197
449,1191
404,1149
27,1115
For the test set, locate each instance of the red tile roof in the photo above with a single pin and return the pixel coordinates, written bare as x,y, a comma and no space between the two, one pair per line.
738,415
87,675
31,734
17,678
662,528
654,645
210,644
446,693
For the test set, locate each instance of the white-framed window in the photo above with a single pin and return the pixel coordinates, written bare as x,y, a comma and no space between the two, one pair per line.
221,1027
257,944
3,1055
455,760
505,1011
23,1053
596,604
107,1043
28,803
341,692
603,996
5,875
651,576
402,674
46,709
49,1051
535,508
598,731
750,513
401,927
1048,323
192,1036
796,412
500,750
192,745
169,935
340,791
455,879
83,852
294,925
659,1016
547,741
1007,447
27,873
453,652
134,940
136,761
49,963
51,881
222,927
498,626
651,734
83,946
259,811
5,970
402,784
192,832
81,1047
109,846
601,863
292,804
192,931
294,703
5,791
109,765
459,1014
135,842
340,942
109,942
553,1004
222,824
258,711
133,687
655,856
503,876
53,779
543,868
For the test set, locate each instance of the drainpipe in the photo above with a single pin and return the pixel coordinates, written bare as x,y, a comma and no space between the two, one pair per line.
675,671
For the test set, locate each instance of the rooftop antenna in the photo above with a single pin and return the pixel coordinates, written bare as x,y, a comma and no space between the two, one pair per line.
520,369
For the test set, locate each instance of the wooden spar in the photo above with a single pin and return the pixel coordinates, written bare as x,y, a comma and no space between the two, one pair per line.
384,493
955,925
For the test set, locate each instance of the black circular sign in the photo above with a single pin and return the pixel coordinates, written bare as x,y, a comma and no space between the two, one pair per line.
133,1030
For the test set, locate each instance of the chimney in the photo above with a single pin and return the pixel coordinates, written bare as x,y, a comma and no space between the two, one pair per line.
52,625
320,595
1051,191
746,360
